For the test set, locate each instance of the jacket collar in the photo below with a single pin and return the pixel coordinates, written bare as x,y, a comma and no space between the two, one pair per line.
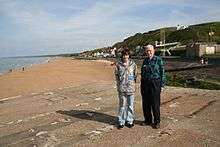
130,62
152,59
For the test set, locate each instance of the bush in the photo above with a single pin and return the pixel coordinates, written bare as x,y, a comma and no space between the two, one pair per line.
179,81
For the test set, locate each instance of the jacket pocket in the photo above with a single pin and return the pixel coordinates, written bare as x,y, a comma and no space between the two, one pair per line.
131,78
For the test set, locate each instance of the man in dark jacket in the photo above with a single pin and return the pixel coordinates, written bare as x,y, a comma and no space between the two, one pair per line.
152,82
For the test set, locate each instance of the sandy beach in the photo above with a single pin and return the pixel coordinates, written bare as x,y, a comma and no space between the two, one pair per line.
68,102
57,73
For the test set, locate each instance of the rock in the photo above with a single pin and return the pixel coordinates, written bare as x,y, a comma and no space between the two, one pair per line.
98,108
65,120
41,133
81,104
165,132
151,136
53,123
89,114
51,141
170,118
173,105
48,93
173,119
19,121
93,132
96,132
33,94
10,98
97,99
53,138
31,130
8,123
106,128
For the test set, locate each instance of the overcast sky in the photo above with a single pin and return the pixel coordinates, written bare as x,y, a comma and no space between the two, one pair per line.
39,27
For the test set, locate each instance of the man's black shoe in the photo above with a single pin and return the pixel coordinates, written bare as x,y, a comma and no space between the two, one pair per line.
120,126
156,126
129,125
146,123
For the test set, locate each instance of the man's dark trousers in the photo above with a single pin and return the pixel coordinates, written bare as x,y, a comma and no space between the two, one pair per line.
150,91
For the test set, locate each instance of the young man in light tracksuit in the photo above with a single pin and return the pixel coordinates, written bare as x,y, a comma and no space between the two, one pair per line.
126,74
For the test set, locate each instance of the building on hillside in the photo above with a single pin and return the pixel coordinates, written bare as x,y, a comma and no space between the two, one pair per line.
200,49
102,55
181,27
113,52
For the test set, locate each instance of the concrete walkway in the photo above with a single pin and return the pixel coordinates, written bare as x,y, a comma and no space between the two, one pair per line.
85,116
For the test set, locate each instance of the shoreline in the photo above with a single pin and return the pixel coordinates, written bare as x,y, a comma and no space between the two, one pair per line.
57,73
27,65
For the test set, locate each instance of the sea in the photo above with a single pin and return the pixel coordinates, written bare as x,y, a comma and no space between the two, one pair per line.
15,63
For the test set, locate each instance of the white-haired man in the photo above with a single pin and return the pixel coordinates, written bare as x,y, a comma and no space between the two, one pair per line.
152,81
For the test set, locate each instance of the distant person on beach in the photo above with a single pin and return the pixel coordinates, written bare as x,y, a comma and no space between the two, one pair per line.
126,74
152,82
206,61
201,61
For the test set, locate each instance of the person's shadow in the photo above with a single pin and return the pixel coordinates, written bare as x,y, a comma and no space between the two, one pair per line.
93,116
90,115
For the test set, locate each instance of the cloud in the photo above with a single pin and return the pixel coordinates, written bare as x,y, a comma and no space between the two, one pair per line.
56,26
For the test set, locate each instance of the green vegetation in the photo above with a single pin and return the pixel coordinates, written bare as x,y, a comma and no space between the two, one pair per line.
194,33
143,38
205,85
214,56
179,81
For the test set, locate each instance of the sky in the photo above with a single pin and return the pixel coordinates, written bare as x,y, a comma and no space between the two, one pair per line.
41,27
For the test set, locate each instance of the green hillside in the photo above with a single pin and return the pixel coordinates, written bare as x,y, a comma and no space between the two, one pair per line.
194,33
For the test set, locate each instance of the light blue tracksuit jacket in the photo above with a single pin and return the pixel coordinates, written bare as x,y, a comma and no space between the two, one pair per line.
126,77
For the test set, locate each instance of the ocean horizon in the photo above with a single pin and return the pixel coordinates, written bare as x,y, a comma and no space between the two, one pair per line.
15,63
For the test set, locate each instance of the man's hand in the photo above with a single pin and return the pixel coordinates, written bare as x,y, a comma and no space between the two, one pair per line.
162,89
113,63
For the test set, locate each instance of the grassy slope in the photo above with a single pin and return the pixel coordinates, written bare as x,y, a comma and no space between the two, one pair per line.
194,33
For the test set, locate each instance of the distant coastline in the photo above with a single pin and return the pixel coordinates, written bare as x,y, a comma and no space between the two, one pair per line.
9,64
34,56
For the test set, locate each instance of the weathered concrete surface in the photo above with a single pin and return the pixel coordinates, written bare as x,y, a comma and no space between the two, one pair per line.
85,116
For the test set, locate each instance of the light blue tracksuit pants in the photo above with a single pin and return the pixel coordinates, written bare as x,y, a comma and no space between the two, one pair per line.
126,108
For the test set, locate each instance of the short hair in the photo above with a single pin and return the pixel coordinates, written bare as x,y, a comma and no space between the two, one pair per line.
126,51
149,46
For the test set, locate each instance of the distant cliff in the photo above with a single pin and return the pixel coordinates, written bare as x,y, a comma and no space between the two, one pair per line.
205,32
194,33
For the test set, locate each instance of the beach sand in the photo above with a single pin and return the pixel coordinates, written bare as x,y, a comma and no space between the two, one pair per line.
68,103
57,73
